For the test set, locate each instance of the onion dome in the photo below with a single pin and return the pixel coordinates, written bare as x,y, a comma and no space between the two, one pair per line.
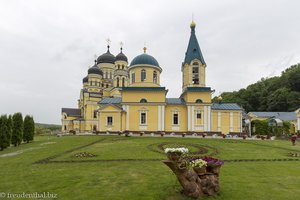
106,57
85,79
95,70
121,56
144,59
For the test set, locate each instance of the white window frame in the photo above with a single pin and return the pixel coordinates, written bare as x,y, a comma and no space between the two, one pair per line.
112,121
178,121
143,112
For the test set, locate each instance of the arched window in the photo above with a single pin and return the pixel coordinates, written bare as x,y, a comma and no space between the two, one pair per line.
195,73
133,78
118,66
110,75
199,101
123,82
143,75
106,85
123,66
106,74
143,100
154,77
118,84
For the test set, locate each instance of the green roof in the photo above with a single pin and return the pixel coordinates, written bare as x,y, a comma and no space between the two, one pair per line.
225,106
193,51
198,89
175,101
143,88
111,100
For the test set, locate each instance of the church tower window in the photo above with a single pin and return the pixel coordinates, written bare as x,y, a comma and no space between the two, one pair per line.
154,77
195,73
143,75
133,77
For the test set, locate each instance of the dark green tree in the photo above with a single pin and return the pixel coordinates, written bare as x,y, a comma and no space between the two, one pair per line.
4,134
32,130
9,127
28,129
17,130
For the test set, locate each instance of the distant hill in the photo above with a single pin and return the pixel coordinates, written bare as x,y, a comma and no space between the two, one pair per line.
51,127
269,94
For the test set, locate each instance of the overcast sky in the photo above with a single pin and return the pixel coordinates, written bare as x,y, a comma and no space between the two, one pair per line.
46,47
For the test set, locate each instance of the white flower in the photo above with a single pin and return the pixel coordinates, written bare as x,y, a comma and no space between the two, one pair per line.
198,163
177,150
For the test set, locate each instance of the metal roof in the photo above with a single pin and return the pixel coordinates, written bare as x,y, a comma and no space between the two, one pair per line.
111,100
225,106
143,88
289,116
175,101
71,111
197,89
193,51
144,59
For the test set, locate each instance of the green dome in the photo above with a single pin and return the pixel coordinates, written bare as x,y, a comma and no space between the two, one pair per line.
144,59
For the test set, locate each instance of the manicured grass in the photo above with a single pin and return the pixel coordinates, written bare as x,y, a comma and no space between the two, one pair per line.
131,168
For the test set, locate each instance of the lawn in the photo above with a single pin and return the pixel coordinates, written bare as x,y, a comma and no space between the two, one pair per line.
131,168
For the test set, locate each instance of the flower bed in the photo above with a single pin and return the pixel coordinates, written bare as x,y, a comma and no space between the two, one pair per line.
84,155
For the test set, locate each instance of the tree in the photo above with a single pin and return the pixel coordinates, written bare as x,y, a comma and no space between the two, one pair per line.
9,127
28,129
4,134
271,94
17,131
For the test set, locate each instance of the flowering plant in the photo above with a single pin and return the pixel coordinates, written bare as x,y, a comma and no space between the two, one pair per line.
198,163
212,161
181,150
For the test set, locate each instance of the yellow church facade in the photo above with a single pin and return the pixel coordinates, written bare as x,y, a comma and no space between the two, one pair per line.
122,97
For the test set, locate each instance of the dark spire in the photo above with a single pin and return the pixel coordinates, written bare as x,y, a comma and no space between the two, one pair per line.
193,51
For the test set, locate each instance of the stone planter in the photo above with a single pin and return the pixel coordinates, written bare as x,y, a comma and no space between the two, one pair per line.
224,136
203,135
141,134
200,170
174,156
183,134
244,137
215,169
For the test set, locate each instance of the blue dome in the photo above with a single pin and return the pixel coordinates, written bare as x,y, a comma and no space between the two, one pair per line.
144,59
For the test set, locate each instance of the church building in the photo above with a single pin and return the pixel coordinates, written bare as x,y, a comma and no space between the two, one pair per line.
120,97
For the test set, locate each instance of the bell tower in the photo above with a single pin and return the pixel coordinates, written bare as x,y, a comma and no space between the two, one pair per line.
194,67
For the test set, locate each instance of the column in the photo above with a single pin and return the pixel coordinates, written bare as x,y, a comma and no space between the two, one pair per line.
205,118
189,118
159,118
208,118
219,121
231,121
162,118
193,118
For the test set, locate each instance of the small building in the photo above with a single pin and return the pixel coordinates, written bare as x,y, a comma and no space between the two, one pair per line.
277,118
